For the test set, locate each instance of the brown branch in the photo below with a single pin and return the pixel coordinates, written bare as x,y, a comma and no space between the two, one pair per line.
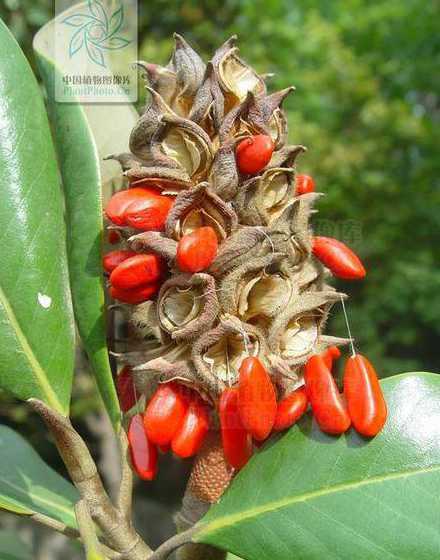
57,526
172,544
124,502
63,529
117,532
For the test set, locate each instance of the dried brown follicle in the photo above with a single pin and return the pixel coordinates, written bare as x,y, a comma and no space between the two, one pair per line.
262,199
264,294
198,207
218,353
187,305
236,77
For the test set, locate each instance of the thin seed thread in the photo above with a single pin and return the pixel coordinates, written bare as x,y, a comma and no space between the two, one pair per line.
353,351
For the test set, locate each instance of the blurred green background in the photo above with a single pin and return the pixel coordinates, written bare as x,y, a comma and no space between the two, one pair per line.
367,107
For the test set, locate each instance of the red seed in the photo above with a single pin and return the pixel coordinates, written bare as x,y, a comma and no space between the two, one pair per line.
290,409
197,250
136,271
125,389
330,355
304,184
257,398
113,237
165,413
114,258
237,442
120,201
337,257
142,452
254,153
137,295
327,403
365,400
149,214
189,437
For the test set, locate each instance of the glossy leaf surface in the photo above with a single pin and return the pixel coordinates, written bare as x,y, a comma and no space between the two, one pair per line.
345,498
36,323
28,485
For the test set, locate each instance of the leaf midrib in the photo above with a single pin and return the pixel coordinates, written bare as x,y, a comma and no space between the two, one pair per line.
235,518
35,366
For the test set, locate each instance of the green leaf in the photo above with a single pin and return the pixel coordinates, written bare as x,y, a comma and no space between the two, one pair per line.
36,323
13,548
28,485
311,496
85,134
11,505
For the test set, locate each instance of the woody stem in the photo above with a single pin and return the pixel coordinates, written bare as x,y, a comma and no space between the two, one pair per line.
116,529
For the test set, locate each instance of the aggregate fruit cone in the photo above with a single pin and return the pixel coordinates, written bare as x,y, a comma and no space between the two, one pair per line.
219,202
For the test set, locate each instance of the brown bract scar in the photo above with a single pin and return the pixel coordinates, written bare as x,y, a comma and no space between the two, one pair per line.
156,242
232,340
187,305
197,207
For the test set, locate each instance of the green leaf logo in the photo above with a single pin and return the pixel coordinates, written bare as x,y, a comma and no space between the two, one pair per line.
96,32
